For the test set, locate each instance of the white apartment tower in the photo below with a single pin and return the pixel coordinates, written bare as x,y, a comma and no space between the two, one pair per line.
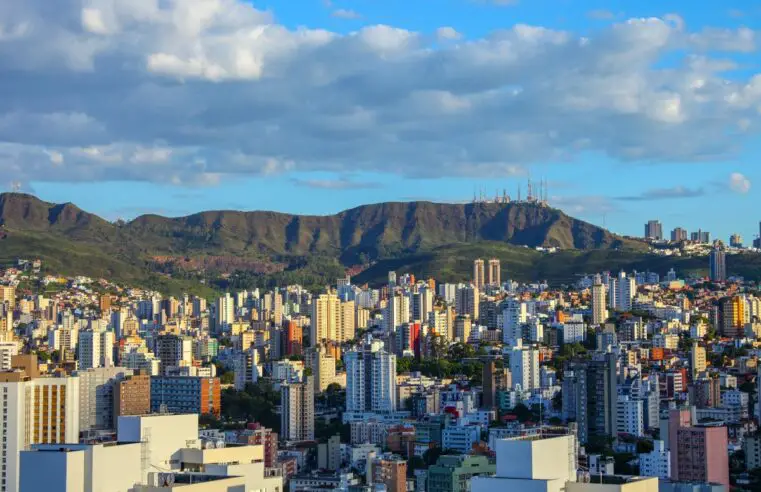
35,411
95,349
514,315
225,312
297,417
370,378
524,367
599,309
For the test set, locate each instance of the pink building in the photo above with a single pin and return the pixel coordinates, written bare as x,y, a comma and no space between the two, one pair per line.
698,453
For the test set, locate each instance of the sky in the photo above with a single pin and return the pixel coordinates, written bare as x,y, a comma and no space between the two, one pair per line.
631,110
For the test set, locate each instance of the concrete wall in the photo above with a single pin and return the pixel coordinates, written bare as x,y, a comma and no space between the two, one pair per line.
493,484
235,484
232,454
114,468
164,435
50,471
545,459
644,485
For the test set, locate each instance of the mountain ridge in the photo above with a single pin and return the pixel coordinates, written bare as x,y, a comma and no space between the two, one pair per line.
220,242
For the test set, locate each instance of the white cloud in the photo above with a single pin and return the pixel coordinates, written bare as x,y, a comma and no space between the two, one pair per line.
166,90
345,14
739,183
56,158
447,34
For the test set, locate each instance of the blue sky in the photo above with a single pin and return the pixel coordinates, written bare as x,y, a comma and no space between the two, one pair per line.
632,110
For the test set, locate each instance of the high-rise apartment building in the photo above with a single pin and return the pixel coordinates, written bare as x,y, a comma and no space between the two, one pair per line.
186,394
293,339
514,315
698,453
679,235
96,396
35,411
174,351
323,366
132,396
590,396
495,272
599,307
397,312
524,367
421,303
467,299
479,274
698,362
370,378
332,320
391,471
95,349
297,415
732,316
736,240
654,230
717,263
8,296
225,313
621,291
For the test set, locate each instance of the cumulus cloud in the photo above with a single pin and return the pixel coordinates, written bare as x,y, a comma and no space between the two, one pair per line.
198,91
447,33
739,183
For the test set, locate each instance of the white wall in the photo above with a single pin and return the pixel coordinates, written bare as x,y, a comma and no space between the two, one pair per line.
543,459
49,471
164,436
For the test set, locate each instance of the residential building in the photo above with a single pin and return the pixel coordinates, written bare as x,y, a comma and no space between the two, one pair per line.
599,307
656,463
524,367
297,410
370,378
698,453
132,396
174,351
478,274
698,361
96,396
323,366
654,230
95,349
590,396
454,473
630,416
467,301
35,411
391,471
495,272
186,394
717,262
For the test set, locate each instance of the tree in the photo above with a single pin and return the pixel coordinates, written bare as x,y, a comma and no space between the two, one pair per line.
460,351
403,365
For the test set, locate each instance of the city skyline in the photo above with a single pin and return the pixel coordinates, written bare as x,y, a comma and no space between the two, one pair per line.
324,106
